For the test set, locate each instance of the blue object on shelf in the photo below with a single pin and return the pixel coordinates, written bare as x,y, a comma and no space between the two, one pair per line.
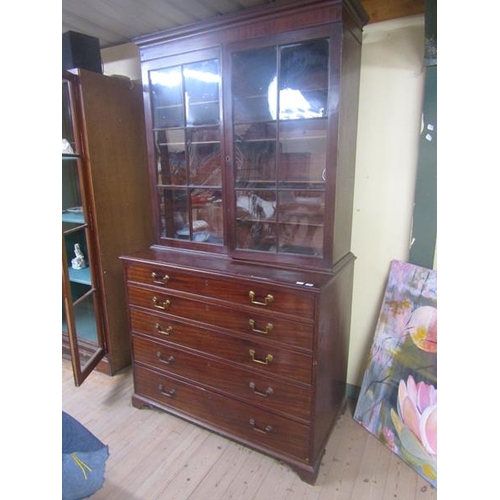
83,460
75,218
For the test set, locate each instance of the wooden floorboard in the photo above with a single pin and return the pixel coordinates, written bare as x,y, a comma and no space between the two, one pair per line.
156,456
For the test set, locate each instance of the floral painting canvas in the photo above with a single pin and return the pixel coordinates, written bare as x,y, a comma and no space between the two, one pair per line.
398,397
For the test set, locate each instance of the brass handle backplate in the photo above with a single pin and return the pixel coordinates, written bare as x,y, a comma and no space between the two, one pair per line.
267,299
160,305
266,361
267,331
160,280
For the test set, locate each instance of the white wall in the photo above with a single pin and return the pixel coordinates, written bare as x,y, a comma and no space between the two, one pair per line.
122,60
391,96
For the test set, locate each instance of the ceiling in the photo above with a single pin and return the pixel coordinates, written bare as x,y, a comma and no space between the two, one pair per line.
115,22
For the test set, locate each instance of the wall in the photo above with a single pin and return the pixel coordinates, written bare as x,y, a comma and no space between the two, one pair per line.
122,60
391,94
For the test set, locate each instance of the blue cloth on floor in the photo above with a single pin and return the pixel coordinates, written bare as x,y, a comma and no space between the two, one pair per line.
83,460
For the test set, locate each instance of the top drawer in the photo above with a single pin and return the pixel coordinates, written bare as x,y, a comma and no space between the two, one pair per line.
254,294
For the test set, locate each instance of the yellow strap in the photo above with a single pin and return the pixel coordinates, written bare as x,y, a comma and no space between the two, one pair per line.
81,464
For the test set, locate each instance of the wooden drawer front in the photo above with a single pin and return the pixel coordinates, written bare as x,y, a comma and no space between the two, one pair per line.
298,303
268,359
238,419
264,391
260,327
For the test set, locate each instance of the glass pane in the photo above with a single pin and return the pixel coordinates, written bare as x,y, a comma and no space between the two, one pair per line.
188,151
254,91
68,134
77,253
302,158
173,211
255,220
85,319
166,97
301,216
304,80
71,195
205,162
206,214
201,87
84,314
259,236
255,155
73,224
171,157
85,326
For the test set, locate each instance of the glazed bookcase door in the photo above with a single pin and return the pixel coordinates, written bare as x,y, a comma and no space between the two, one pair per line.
279,106
81,326
184,111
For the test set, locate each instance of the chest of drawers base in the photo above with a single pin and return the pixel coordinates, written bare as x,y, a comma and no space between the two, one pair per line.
256,354
308,472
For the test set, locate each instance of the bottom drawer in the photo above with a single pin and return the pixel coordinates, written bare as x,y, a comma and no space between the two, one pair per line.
240,420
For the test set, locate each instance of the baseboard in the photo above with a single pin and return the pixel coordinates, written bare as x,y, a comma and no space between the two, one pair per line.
352,391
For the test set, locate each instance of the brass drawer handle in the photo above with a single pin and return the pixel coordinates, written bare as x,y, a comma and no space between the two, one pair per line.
159,329
159,280
169,394
267,429
268,359
267,299
268,392
163,305
167,361
267,331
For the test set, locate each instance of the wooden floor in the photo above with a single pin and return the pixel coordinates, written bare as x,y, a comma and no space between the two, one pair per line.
154,455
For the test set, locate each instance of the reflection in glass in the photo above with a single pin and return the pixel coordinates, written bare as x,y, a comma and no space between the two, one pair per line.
171,157
303,81
259,236
166,93
252,99
71,194
301,239
206,216
302,158
205,221
279,147
201,87
186,107
85,319
68,134
86,327
301,215
255,219
205,167
173,211
255,155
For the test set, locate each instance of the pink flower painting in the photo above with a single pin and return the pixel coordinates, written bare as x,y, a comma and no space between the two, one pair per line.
415,423
398,396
